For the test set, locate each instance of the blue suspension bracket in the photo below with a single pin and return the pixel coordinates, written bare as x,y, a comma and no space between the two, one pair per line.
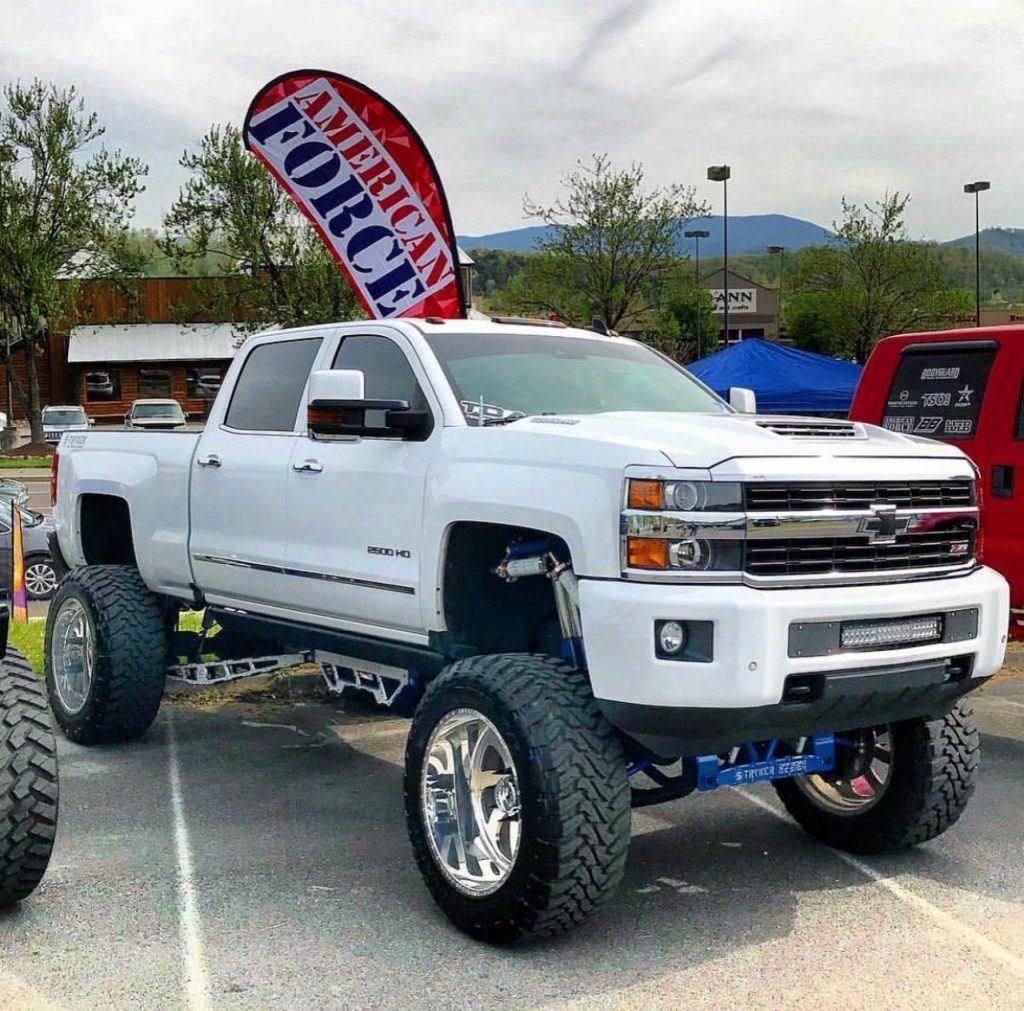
760,762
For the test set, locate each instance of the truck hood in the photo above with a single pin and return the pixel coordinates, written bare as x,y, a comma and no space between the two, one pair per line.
708,440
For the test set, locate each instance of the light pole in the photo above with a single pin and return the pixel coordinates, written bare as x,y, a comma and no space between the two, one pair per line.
697,234
720,174
977,188
781,250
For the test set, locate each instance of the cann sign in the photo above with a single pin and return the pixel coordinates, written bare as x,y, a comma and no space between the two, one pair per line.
939,393
740,299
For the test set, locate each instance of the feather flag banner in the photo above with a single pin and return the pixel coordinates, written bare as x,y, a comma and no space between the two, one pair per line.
361,174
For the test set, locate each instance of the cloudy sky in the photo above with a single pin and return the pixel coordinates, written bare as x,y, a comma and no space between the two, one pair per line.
806,99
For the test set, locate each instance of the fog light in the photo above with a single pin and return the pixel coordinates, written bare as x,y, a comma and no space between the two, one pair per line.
671,637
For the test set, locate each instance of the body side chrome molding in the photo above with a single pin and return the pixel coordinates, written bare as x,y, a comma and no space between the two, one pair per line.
283,570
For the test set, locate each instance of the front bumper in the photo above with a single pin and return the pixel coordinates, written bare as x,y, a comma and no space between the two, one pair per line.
680,707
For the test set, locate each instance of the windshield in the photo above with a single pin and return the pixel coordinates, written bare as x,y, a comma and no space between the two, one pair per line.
62,417
556,374
157,411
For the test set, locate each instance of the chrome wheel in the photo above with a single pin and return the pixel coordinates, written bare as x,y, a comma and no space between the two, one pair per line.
861,777
72,655
471,803
40,579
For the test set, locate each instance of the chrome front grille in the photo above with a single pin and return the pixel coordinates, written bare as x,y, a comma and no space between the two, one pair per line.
827,555
817,495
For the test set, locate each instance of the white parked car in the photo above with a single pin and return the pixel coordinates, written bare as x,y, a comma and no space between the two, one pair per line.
155,415
597,584
61,418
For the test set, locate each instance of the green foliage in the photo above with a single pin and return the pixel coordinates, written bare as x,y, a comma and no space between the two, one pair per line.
685,327
493,269
613,240
65,205
232,213
871,281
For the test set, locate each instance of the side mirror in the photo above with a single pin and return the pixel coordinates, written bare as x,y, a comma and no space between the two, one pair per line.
92,421
337,408
743,400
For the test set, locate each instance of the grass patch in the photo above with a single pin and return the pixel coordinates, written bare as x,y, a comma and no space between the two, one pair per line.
29,639
25,462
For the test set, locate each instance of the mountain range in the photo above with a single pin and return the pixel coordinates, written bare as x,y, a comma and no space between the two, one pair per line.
748,234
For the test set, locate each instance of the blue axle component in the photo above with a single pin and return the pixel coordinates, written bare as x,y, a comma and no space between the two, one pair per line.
756,763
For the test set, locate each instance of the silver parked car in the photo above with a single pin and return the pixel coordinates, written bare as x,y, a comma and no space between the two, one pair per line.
13,491
62,418
154,415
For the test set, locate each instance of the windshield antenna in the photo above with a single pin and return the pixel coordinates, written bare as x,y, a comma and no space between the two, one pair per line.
480,416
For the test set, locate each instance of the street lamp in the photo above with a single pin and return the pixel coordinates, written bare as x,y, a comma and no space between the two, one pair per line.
720,174
697,234
781,250
977,188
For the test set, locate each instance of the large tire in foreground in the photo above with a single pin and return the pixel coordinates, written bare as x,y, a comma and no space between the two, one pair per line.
929,781
517,798
28,780
106,654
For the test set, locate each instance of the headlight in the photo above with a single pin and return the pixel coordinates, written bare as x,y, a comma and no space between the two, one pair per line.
684,555
684,496
670,526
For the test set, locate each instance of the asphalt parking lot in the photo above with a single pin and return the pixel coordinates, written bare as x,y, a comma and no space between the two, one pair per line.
251,852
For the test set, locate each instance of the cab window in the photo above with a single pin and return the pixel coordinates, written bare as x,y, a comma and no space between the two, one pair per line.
388,376
938,392
269,389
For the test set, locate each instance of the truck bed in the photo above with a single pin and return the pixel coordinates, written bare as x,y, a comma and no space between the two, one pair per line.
151,471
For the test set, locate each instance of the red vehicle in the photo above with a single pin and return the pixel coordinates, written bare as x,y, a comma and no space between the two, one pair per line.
965,387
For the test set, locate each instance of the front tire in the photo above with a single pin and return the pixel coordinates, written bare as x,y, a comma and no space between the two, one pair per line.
106,654
517,798
928,781
28,780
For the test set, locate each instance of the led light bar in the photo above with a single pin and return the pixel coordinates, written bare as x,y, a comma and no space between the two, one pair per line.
896,632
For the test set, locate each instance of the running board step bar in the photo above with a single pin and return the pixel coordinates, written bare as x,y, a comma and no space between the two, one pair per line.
380,680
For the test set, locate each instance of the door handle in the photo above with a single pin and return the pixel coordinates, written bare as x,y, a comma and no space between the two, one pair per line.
211,460
308,466
1002,480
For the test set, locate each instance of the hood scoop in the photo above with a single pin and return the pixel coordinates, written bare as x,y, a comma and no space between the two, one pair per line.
816,428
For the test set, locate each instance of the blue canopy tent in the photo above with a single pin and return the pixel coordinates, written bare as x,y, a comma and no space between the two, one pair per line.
786,381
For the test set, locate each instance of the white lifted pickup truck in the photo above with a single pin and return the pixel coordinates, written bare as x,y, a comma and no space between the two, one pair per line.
592,582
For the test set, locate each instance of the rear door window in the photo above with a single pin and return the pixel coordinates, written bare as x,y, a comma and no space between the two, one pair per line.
269,389
938,391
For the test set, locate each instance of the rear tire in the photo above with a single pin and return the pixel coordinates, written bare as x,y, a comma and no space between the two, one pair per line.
28,780
106,654
568,803
931,779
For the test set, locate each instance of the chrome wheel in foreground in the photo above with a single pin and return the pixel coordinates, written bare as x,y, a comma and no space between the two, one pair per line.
40,579
471,802
866,774
72,655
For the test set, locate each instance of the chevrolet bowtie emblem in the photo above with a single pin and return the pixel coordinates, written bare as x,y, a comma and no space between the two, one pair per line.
883,524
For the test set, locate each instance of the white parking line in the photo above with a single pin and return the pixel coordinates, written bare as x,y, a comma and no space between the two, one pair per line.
939,916
197,980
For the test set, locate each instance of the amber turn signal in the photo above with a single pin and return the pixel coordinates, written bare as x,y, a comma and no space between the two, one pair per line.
646,495
647,553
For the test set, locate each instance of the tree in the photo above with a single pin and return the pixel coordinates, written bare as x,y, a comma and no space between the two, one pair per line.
610,241
233,212
65,206
869,282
